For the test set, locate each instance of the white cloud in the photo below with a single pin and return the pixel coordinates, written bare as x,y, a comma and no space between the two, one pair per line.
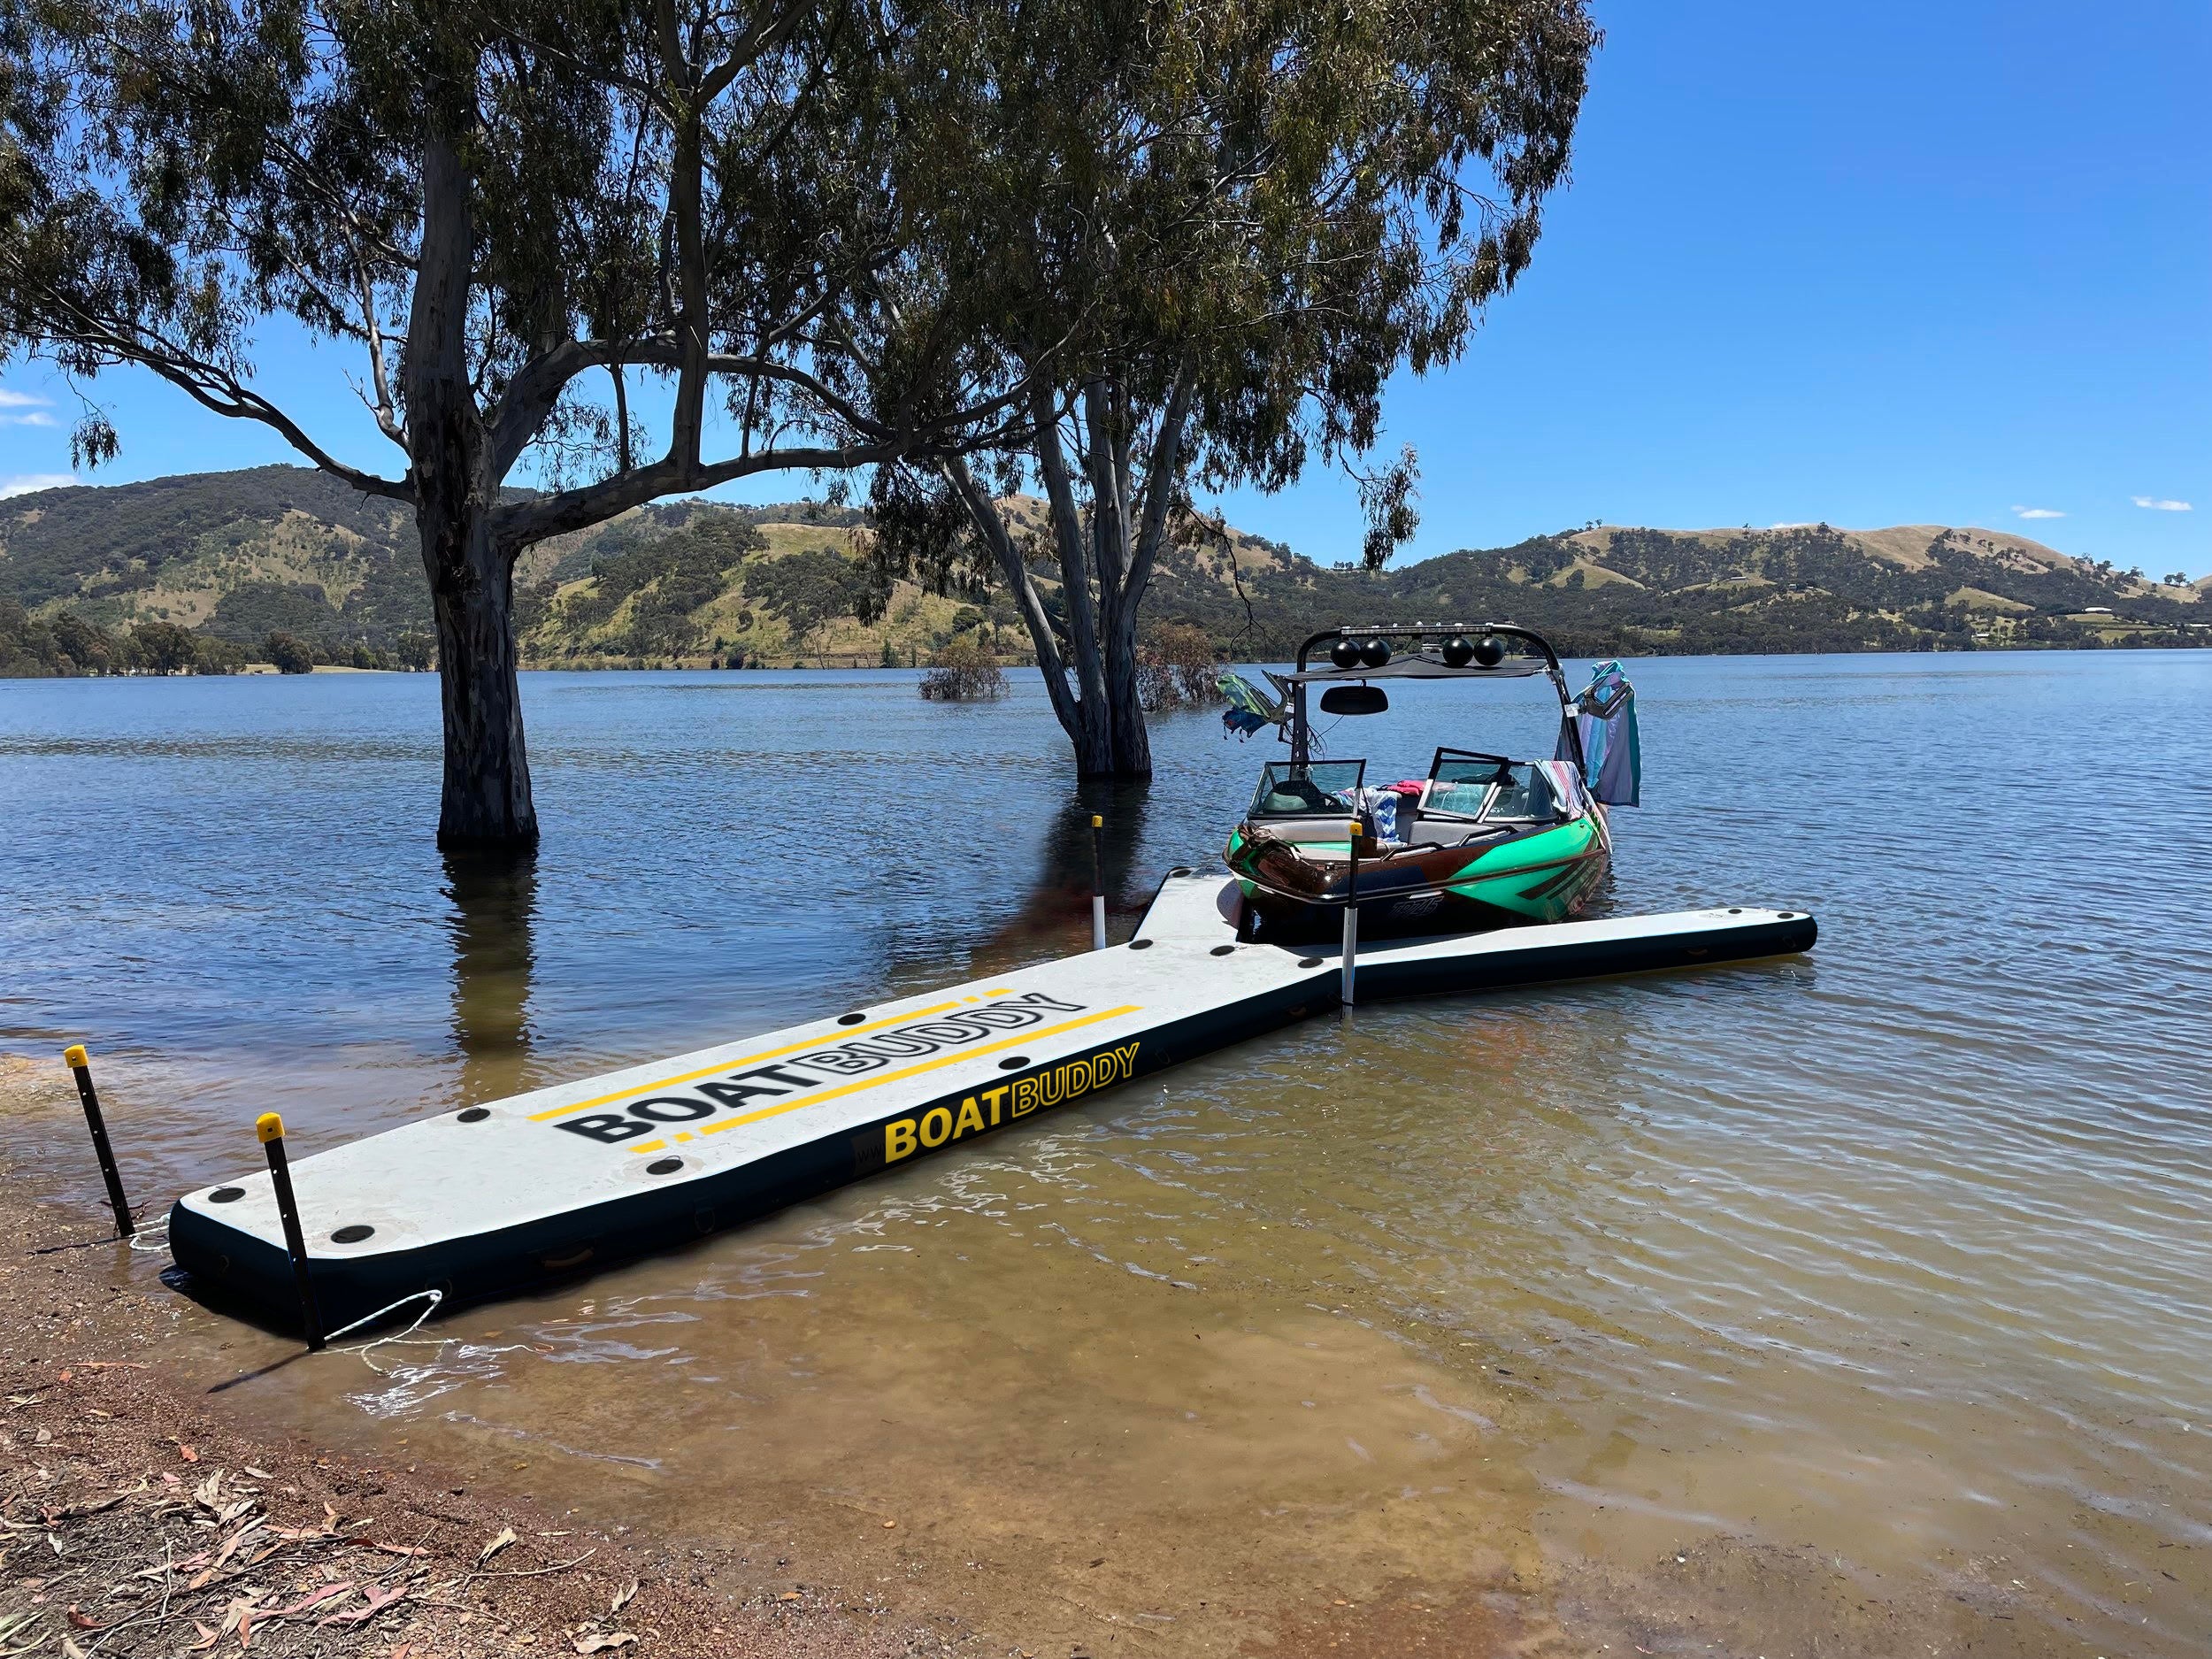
23,483
2037,512
1793,524
23,409
2157,505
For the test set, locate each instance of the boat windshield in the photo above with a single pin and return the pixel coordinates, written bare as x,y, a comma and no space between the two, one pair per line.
1290,790
1487,786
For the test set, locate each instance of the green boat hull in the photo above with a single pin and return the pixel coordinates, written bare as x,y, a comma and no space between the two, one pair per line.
1543,875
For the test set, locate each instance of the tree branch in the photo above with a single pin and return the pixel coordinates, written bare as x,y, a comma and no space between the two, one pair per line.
518,524
211,386
991,524
1161,473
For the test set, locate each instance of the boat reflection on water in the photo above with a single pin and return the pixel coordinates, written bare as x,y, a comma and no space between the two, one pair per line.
494,897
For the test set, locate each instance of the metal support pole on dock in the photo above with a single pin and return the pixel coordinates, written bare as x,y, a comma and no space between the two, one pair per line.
1098,882
270,1127
81,1063
1351,914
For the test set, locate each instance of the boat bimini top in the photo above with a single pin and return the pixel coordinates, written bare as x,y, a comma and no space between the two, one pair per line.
1418,650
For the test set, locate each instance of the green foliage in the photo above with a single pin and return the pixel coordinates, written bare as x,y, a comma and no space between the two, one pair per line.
963,672
290,654
1201,240
32,649
253,611
1177,665
812,587
667,576
164,647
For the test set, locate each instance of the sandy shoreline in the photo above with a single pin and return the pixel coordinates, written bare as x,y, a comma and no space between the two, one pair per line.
139,1517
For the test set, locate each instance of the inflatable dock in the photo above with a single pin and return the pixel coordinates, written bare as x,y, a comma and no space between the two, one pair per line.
496,1199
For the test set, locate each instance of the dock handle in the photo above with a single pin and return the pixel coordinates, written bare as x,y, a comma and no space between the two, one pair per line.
81,1063
269,1128
1351,914
1098,882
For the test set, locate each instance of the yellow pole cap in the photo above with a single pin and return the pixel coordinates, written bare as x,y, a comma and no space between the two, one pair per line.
269,1127
1097,822
74,1055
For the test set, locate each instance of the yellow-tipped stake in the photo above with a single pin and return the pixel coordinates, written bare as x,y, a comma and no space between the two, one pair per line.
269,1128
1351,912
1098,882
80,1063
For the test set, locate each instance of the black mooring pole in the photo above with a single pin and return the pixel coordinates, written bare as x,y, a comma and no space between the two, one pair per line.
81,1063
1098,882
270,1127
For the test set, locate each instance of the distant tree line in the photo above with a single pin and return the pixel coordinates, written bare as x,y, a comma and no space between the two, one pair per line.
65,645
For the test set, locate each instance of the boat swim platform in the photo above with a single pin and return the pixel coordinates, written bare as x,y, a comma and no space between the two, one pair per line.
499,1199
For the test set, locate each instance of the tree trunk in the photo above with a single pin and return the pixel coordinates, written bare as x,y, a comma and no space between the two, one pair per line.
1093,733
1130,744
486,801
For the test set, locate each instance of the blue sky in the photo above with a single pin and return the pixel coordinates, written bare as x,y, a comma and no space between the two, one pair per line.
1873,264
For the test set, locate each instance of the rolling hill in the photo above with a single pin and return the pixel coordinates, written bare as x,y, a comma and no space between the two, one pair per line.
233,556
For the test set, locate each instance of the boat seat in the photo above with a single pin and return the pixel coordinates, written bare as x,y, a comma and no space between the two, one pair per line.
1332,828
1430,831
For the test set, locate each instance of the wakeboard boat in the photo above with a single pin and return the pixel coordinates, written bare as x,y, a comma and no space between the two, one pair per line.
1484,841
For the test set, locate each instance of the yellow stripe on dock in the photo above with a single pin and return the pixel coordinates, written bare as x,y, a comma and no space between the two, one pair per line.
753,1059
903,1072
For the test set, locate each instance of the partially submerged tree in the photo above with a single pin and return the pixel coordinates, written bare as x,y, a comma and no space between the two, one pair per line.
511,211
1204,237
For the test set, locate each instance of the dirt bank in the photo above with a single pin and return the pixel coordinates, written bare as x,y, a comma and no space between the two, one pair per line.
139,1518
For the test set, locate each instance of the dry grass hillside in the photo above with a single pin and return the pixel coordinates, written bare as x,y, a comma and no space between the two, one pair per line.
233,556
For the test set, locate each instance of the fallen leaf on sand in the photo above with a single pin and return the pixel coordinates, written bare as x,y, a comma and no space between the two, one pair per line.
80,1620
788,1595
187,1453
622,1597
259,1474
888,1525
597,1642
313,1599
208,1638
507,1535
377,1598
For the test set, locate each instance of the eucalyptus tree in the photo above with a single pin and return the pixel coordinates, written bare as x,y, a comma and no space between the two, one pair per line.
1202,236
510,211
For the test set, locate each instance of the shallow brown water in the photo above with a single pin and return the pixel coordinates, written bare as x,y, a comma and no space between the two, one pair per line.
1851,1303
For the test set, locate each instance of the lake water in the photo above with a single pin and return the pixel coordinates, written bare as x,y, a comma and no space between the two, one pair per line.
1854,1302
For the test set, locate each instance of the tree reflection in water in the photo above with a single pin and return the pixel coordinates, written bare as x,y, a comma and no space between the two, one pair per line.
1057,908
493,896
